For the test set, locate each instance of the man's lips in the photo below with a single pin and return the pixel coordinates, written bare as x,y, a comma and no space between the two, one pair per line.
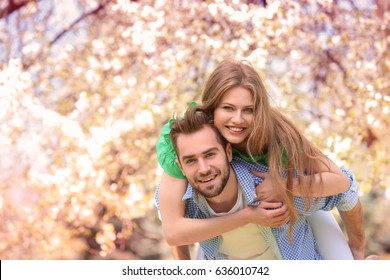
207,179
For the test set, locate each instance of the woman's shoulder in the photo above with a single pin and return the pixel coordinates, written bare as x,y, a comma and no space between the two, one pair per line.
166,154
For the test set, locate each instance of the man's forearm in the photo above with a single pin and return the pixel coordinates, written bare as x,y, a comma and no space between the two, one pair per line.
181,252
354,225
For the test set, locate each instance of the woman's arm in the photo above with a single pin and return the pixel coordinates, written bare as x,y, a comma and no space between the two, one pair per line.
179,230
330,180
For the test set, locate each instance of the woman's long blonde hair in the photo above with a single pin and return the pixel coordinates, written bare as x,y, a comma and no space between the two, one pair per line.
273,134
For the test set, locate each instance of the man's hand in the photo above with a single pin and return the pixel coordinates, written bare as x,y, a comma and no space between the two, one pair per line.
268,214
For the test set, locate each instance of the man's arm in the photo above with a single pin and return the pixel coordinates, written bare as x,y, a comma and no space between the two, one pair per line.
354,226
181,252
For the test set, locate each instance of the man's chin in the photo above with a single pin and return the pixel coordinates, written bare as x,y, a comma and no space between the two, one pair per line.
213,193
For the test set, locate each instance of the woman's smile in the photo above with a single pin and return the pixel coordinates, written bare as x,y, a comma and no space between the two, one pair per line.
234,115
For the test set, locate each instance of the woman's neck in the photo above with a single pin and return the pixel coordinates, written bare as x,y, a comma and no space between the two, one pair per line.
241,147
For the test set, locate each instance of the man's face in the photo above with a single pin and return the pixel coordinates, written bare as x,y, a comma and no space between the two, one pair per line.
204,161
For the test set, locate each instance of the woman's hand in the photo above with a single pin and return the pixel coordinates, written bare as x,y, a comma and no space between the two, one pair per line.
266,191
268,214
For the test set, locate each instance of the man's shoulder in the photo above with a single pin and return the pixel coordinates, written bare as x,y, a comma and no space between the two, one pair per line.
243,170
240,164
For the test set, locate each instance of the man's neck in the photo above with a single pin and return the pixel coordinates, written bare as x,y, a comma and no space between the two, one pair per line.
228,198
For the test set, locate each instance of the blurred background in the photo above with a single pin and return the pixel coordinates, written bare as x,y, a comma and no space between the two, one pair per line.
86,85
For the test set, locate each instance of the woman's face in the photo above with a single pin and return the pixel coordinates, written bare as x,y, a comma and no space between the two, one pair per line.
234,116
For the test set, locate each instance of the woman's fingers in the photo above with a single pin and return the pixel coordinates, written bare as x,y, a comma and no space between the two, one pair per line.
259,174
270,205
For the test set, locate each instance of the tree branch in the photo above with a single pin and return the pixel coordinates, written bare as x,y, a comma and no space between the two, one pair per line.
101,6
13,6
335,61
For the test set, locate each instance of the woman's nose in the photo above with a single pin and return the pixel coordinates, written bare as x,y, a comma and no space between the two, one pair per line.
237,118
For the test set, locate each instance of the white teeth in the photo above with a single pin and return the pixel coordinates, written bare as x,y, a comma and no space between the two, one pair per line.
208,179
237,129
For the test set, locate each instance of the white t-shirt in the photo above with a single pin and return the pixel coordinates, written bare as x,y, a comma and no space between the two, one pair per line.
244,243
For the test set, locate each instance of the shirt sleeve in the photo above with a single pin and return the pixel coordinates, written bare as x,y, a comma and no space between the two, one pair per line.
166,154
349,199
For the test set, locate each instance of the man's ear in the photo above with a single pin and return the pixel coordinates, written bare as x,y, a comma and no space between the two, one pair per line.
181,168
229,152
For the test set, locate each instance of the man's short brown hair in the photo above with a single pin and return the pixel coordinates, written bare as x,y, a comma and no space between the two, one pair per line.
194,120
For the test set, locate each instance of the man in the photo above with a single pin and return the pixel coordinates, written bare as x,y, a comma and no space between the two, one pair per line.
217,187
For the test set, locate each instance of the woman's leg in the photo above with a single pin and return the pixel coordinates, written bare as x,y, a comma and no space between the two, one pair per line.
331,242
199,253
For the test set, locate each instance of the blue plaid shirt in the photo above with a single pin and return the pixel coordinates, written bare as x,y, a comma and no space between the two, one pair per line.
303,246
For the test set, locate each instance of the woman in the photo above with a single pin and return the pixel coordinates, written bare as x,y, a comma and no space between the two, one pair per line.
235,95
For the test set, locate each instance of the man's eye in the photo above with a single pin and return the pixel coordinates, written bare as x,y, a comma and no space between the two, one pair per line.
189,161
210,155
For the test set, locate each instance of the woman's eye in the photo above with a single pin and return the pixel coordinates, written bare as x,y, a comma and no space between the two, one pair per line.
249,110
227,108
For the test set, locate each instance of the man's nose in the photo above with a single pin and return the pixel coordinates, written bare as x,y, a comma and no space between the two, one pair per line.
204,167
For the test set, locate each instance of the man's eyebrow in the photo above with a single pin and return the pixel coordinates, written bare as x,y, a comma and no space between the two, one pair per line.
203,153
